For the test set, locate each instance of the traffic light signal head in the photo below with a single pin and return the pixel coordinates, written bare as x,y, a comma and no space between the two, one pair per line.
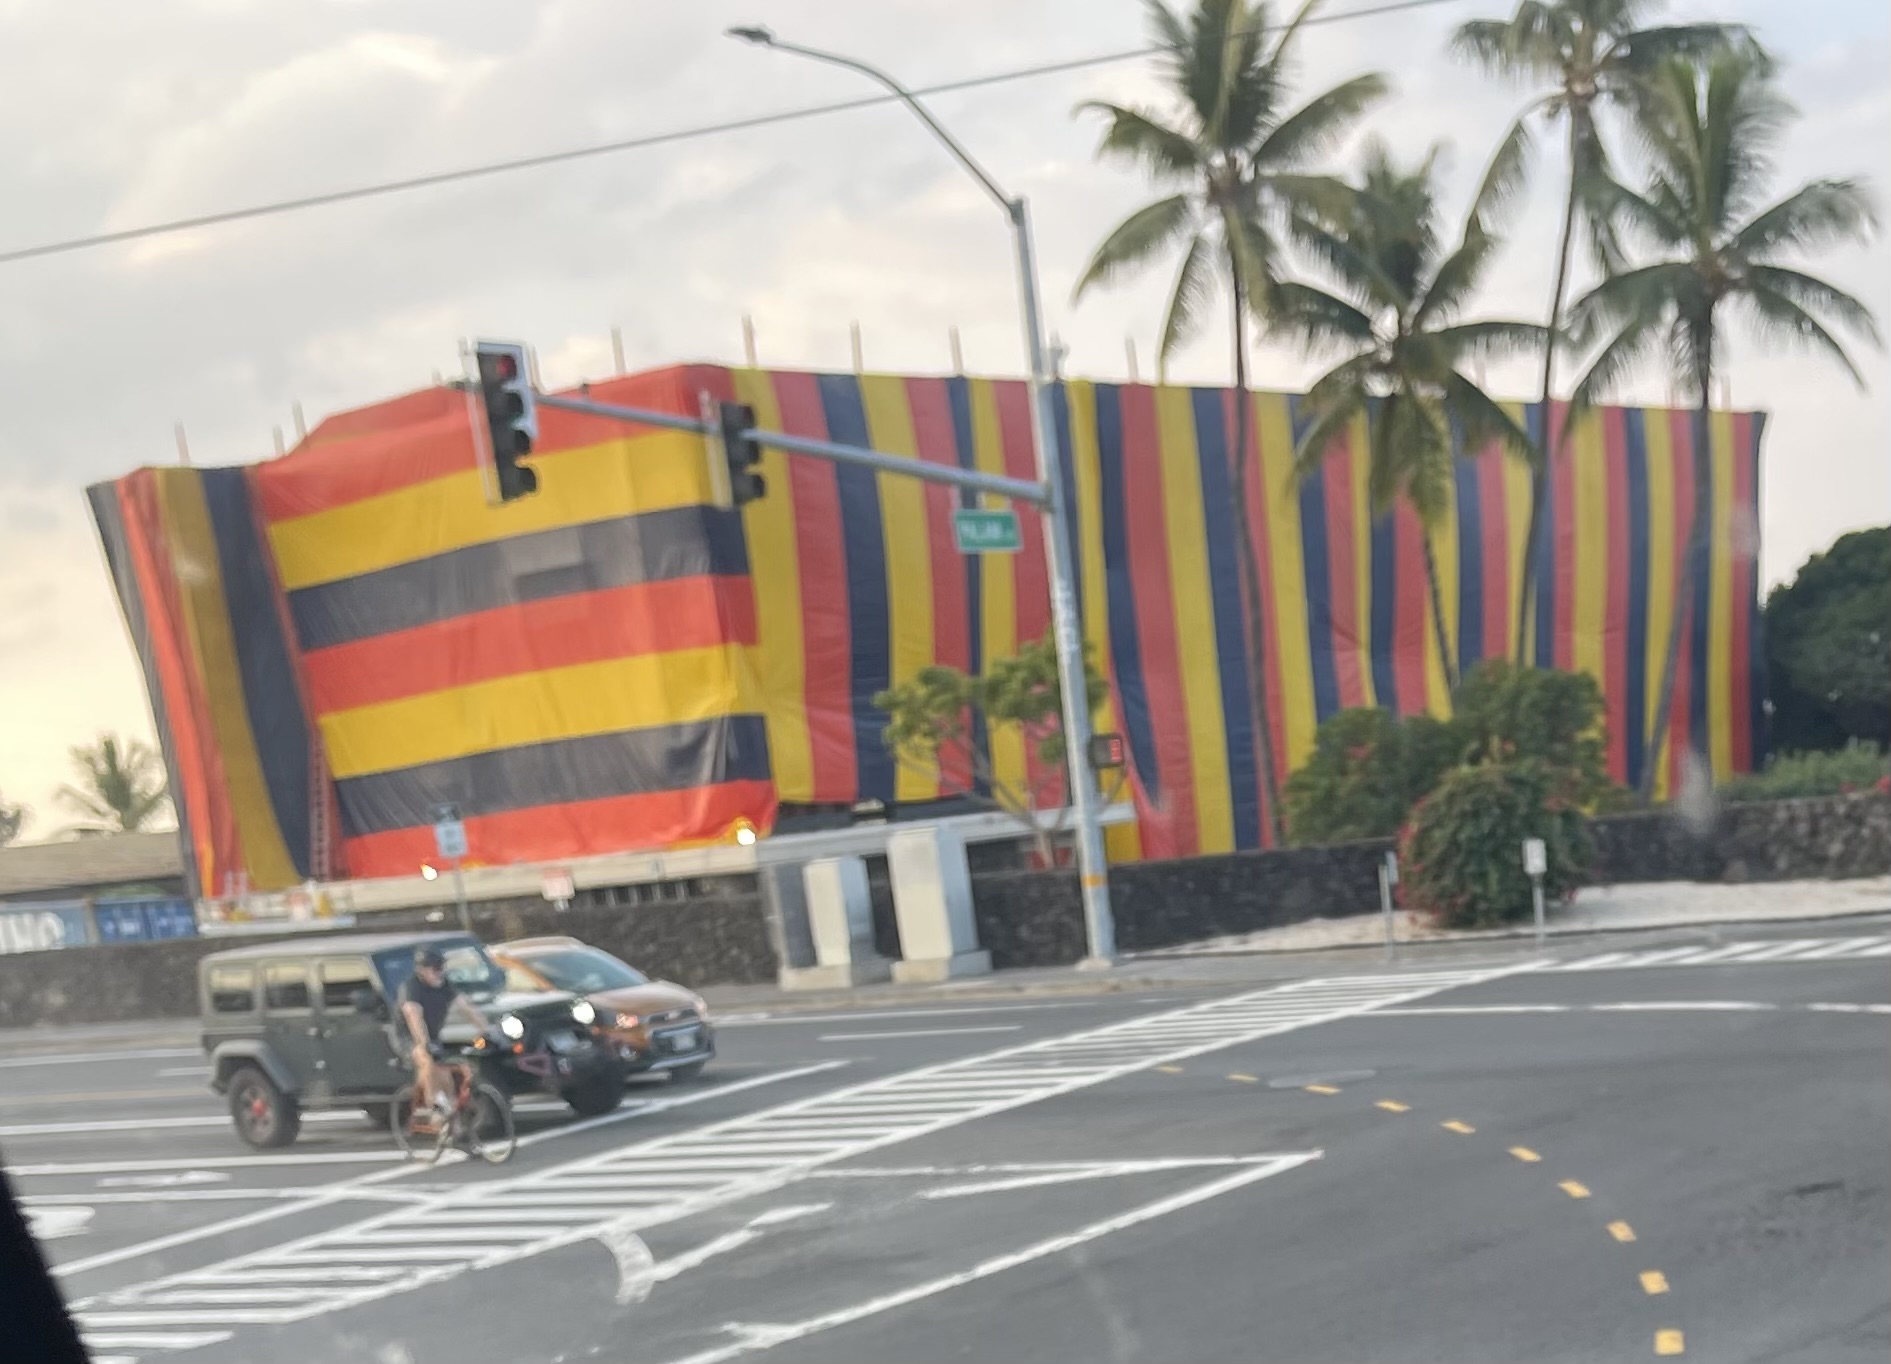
510,412
742,455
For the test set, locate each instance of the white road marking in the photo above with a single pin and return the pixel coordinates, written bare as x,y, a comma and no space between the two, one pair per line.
739,1157
323,1195
170,1181
168,1072
756,1338
150,1340
1104,1170
1635,1006
55,1224
1474,1009
1850,1008
83,1058
917,1032
101,1167
1678,1006
101,1126
1736,954
754,1020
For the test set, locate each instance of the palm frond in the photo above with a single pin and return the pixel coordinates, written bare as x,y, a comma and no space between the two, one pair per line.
1742,116
1320,124
1209,26
1524,47
1484,420
1330,420
1490,340
1816,296
1194,286
1646,289
1633,340
1456,278
1139,137
1635,54
1775,316
1316,319
1352,267
1253,252
1134,240
1821,213
1505,175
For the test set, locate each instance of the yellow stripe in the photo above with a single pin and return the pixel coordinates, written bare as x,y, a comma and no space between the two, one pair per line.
1720,608
1361,467
617,478
1187,535
1287,576
530,708
1660,571
908,554
1444,549
1670,1341
206,612
1591,478
999,582
775,573
1516,485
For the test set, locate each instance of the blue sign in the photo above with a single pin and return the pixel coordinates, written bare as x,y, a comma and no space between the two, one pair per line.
449,839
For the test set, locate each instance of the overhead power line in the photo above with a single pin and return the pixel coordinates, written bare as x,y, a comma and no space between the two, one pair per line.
491,168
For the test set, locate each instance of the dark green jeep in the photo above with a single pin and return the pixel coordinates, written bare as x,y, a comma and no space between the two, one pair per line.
308,1024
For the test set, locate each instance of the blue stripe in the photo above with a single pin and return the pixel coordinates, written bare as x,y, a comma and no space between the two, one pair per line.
1319,582
1383,624
1066,466
1125,641
1542,553
1232,650
864,542
959,399
1470,560
1635,656
1703,575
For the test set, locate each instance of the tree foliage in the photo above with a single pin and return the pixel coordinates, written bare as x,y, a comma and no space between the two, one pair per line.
1828,646
13,817
120,789
935,718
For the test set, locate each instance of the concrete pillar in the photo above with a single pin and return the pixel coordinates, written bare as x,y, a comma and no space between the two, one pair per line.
785,903
840,927
932,899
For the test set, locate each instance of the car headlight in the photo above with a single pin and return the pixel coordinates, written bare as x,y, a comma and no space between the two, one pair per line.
582,1011
512,1026
702,1005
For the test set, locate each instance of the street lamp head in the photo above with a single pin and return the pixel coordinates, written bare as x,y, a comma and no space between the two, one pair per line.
753,33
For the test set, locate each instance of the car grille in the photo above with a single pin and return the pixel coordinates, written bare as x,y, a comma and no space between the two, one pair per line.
671,1016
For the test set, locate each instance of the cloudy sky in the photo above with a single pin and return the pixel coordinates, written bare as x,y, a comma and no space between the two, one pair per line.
199,105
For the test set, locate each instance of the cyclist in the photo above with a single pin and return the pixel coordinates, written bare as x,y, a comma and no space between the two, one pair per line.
427,1001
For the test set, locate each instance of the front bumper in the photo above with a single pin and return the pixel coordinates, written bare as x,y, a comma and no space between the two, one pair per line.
666,1049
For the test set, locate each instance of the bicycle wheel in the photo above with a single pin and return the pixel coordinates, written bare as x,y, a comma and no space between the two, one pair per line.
488,1127
419,1145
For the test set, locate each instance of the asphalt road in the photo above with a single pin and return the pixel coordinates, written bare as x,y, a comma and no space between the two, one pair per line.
1461,1159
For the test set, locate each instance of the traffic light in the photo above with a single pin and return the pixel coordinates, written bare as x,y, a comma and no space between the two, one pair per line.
505,398
742,455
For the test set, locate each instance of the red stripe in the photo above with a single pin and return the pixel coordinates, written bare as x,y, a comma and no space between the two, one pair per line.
1343,573
1032,593
656,819
931,410
1411,620
826,631
1681,436
428,435
1258,496
206,812
1147,537
1744,536
1615,608
1494,515
585,627
1563,547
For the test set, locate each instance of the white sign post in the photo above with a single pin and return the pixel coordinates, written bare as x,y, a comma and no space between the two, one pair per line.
449,842
1536,864
1388,878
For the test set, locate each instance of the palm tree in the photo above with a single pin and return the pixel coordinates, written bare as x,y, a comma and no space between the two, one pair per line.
1396,316
1234,160
1591,54
121,787
1710,135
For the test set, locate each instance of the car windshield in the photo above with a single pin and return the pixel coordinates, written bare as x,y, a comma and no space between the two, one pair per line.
583,970
467,966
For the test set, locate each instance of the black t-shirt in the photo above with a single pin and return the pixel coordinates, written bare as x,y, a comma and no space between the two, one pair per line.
434,1001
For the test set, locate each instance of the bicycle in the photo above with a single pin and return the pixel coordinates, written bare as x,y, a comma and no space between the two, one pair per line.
479,1122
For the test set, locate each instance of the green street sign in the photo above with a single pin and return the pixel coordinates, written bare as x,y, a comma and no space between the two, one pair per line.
982,531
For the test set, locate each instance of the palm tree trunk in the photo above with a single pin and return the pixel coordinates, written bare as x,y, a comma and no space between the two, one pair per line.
1446,654
1251,567
1690,564
1539,476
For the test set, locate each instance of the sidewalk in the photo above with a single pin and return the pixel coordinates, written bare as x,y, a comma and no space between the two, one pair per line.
1597,909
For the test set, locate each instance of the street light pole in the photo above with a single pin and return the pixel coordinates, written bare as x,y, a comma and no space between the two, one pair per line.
1066,621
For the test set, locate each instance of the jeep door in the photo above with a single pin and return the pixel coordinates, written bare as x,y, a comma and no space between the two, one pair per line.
360,1057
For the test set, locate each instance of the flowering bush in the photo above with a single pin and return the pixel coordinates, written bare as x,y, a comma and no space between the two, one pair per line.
1461,855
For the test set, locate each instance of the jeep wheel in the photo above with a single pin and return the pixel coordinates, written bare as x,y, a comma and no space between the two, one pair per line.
596,1096
263,1114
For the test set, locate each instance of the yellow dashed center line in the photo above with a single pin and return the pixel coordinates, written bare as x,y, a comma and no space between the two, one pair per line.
1455,1126
1621,1231
1170,1070
1653,1282
1320,1089
1573,1189
1245,1079
1393,1106
1669,1341
1525,1154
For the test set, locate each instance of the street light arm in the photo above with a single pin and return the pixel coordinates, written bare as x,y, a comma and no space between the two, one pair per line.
911,101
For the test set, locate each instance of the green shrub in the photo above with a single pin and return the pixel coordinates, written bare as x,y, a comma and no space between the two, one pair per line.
1509,714
1787,776
1461,857
1366,771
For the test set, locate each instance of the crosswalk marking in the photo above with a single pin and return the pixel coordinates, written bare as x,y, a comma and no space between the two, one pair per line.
1735,954
484,1224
